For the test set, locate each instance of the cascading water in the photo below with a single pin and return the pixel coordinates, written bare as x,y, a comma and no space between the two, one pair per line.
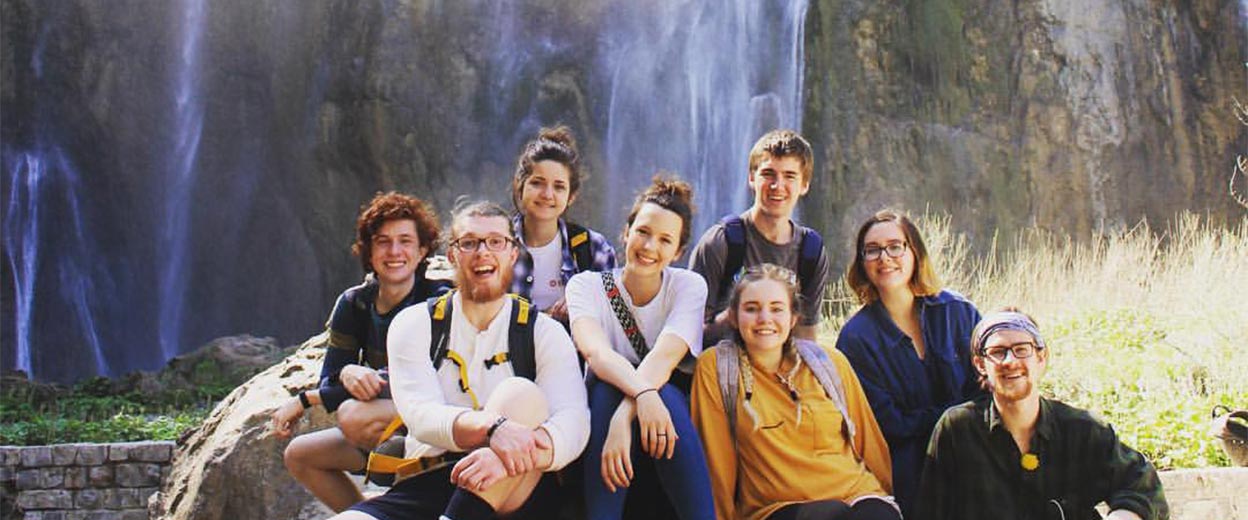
175,237
692,86
105,228
21,231
44,209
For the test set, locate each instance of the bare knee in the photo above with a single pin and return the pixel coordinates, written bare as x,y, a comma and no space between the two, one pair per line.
362,422
298,454
349,415
520,400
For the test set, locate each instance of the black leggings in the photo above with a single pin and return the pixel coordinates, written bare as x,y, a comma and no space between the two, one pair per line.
867,509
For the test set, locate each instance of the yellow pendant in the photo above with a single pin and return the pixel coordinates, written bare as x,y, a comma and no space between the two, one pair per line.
1030,461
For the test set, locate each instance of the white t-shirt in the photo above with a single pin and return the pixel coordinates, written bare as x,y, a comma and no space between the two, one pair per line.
547,279
676,309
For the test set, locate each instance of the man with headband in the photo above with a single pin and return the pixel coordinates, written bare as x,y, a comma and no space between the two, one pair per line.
1017,455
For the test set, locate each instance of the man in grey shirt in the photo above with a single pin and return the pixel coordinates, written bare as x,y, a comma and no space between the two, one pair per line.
780,169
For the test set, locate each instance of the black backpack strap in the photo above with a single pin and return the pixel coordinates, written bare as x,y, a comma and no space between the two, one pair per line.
812,251
579,244
439,327
734,233
520,339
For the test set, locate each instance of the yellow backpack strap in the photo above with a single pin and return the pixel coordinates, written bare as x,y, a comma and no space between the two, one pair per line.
522,314
578,239
390,429
439,307
463,377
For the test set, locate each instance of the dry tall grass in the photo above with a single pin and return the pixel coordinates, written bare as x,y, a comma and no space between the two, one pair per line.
1147,326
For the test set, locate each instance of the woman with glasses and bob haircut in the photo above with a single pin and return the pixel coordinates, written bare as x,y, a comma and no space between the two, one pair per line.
908,343
787,430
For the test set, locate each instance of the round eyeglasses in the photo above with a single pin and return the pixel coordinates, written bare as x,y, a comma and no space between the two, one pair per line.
492,243
998,354
893,250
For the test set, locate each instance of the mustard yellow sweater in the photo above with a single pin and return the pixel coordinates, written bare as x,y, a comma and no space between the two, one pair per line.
783,462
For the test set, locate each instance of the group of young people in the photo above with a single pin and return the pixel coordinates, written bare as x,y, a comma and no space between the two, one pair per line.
547,371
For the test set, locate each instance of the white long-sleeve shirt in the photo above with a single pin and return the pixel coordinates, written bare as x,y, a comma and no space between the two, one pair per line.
429,402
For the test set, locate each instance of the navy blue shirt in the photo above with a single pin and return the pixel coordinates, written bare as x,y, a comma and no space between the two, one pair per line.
357,333
907,394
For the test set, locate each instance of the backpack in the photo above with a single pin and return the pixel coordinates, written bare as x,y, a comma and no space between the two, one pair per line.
519,336
383,465
728,368
579,244
734,232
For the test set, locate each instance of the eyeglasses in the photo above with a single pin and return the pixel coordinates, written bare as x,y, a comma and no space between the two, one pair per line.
1022,350
492,243
893,250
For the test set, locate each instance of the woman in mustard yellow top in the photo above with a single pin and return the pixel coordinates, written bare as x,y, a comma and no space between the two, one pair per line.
789,453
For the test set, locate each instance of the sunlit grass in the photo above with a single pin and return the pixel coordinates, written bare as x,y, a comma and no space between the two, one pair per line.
1146,325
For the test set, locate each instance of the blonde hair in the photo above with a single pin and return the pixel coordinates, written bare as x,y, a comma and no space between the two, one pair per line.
788,280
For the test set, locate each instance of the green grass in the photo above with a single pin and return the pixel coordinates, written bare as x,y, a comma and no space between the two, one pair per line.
1146,326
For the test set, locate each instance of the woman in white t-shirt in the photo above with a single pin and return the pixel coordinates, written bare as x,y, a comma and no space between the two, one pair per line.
548,176
635,326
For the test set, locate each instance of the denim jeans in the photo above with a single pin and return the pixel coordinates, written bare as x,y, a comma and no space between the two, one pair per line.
683,478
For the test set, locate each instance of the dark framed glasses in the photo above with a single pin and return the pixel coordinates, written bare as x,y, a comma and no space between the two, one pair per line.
998,354
893,250
493,243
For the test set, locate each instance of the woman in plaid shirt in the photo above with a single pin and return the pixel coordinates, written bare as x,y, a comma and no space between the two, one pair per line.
548,177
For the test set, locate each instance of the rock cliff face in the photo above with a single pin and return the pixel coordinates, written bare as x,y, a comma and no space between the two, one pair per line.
1070,116
165,161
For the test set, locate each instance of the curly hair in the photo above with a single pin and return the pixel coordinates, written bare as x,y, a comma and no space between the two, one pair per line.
385,207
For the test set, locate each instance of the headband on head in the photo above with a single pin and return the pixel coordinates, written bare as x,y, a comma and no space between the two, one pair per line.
1004,320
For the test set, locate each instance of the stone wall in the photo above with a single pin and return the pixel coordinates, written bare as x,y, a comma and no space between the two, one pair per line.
114,481
1207,494
82,481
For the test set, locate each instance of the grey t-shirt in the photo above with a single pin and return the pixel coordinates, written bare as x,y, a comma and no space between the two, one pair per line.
711,253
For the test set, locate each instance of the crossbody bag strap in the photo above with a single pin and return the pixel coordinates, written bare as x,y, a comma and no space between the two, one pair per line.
625,316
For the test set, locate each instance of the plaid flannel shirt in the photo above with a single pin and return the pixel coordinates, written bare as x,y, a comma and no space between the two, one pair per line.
602,257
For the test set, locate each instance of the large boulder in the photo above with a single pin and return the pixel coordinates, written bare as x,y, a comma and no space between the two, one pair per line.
231,466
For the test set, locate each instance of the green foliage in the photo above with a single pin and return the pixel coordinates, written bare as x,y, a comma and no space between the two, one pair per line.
93,412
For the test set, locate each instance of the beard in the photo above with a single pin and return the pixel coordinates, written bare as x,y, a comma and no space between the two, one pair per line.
480,292
1013,391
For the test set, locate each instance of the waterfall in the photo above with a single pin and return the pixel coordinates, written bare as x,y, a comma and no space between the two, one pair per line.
692,85
44,210
175,237
21,245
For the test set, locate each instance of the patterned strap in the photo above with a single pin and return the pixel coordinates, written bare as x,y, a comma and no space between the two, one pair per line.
625,316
